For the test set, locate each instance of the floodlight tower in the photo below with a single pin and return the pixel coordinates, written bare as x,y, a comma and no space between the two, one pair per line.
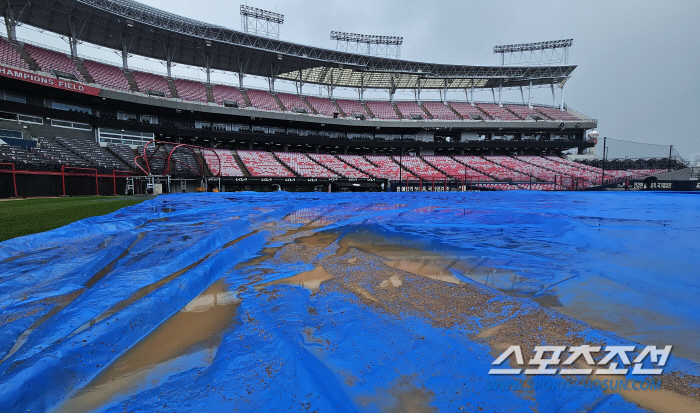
553,52
385,46
540,53
261,22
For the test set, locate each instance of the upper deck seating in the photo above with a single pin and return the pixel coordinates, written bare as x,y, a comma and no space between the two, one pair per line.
49,60
10,56
261,99
382,110
107,75
229,93
149,81
556,114
440,111
322,105
292,102
352,107
497,112
467,111
409,109
191,90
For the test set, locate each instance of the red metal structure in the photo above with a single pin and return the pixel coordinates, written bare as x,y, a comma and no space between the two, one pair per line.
146,158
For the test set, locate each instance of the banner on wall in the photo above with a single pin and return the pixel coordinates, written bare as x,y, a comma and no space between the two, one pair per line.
48,81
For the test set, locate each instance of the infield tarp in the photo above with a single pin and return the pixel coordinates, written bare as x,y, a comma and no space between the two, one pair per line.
154,308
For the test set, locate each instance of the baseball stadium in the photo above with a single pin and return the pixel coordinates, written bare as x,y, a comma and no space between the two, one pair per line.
292,247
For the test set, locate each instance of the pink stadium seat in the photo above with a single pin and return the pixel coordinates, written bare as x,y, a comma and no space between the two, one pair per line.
337,166
49,60
191,90
292,102
351,107
10,56
523,167
563,169
419,168
323,106
382,110
497,112
106,75
525,112
489,168
229,167
362,164
263,164
387,168
455,169
230,93
303,166
261,99
556,114
146,81
410,108
440,111
467,111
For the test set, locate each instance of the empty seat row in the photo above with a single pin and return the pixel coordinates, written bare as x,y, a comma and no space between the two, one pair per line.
263,164
221,160
304,166
336,165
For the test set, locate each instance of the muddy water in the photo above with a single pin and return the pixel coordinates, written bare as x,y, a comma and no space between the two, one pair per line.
307,279
196,329
448,300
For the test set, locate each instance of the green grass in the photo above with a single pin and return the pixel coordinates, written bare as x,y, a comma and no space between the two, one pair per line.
29,216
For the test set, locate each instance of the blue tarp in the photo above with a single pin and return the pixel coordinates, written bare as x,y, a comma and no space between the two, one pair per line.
157,306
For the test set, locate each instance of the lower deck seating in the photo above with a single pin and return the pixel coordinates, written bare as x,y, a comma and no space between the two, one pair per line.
123,152
221,160
419,168
523,167
263,164
489,168
303,166
455,169
92,152
387,168
337,166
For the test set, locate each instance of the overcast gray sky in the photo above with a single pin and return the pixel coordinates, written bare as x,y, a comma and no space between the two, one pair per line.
638,61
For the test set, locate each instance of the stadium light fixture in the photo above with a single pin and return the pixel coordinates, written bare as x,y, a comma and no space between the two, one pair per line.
261,14
524,47
366,38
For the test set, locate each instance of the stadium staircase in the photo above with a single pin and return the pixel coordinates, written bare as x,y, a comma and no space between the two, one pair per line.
364,105
454,111
308,105
483,113
173,89
511,112
210,93
132,83
279,102
337,106
244,93
427,114
25,55
83,71
284,165
240,164
396,109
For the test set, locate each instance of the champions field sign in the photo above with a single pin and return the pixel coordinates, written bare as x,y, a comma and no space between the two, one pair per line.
48,81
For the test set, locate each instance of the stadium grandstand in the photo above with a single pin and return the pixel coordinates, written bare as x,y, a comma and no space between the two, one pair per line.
61,110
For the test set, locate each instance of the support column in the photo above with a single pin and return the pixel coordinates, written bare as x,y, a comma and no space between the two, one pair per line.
444,94
272,79
522,95
73,40
554,100
561,102
10,23
125,55
529,94
169,60
418,92
362,87
493,95
472,101
301,83
500,90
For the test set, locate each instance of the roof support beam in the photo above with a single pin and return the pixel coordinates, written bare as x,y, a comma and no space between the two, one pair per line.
10,22
529,94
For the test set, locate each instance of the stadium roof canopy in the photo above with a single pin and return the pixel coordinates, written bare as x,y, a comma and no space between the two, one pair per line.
146,31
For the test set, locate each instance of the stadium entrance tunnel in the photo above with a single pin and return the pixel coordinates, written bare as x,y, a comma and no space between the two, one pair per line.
349,302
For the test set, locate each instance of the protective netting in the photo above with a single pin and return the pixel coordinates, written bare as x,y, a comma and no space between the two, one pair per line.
344,302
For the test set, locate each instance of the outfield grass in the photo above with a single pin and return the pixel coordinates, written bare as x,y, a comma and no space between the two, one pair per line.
29,216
